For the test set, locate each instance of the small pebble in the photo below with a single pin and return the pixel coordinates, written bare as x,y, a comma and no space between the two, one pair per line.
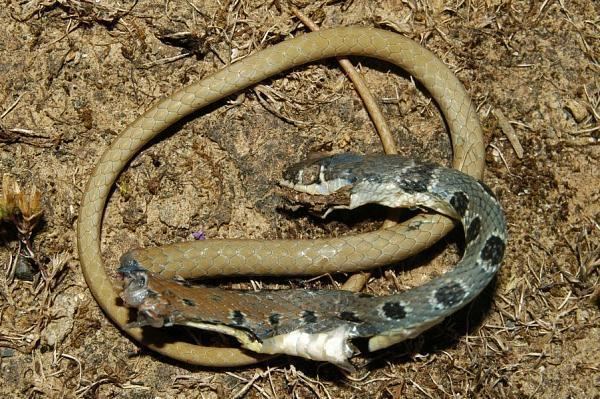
24,269
7,352
577,109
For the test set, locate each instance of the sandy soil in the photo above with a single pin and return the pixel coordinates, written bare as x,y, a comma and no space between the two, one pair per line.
75,73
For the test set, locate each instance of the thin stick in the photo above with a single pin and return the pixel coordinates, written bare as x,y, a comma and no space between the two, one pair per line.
509,132
389,146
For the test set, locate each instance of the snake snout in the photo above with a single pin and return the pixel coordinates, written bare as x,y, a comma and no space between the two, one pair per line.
302,173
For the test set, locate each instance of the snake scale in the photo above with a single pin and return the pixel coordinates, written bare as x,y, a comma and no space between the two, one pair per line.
313,324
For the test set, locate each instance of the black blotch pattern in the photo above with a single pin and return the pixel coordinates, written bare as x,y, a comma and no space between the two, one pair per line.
237,317
309,317
473,229
188,302
350,316
493,250
450,294
414,186
151,293
415,179
460,202
394,310
274,319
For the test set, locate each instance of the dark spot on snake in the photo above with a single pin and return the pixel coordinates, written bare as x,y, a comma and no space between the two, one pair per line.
459,202
151,293
488,190
188,302
237,317
341,166
414,186
350,316
493,250
394,310
415,179
309,317
364,330
274,319
473,230
449,295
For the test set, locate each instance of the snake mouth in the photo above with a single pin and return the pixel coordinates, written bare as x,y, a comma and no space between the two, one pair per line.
319,175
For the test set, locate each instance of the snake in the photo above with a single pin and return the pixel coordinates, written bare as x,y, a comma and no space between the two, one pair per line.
304,319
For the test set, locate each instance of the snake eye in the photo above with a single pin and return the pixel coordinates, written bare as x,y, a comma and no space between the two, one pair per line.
303,174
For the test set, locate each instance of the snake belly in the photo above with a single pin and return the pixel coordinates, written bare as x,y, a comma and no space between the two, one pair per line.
320,325
279,257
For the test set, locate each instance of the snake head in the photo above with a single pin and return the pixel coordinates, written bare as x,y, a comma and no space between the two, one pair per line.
144,291
322,175
153,309
135,282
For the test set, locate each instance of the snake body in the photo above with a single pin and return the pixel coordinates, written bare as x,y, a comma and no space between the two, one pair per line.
285,256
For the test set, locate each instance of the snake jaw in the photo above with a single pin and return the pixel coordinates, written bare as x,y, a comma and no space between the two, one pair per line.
313,176
316,188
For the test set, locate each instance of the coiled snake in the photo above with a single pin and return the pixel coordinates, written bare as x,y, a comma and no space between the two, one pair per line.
313,324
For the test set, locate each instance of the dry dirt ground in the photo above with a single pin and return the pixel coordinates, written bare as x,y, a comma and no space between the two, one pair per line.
75,73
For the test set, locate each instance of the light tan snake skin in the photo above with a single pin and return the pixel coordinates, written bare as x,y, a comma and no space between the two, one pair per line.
282,257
